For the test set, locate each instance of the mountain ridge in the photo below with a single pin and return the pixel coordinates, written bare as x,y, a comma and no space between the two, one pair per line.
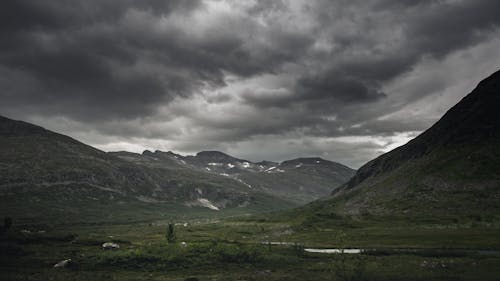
49,169
432,137
450,170
300,180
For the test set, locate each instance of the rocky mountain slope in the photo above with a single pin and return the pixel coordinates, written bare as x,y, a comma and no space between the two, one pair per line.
43,171
299,181
452,170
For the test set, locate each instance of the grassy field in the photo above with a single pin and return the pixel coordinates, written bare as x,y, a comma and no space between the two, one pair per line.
236,249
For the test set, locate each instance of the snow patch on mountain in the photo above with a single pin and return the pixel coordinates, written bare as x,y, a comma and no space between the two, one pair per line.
248,185
207,204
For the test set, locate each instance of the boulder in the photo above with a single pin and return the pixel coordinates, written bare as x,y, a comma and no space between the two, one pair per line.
110,246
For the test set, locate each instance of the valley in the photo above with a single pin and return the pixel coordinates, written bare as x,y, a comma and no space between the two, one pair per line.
239,249
427,210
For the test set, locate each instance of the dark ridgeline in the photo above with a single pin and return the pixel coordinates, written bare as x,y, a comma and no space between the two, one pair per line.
453,168
476,118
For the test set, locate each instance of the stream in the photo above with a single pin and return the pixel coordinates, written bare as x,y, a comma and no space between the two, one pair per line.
396,251
408,251
334,251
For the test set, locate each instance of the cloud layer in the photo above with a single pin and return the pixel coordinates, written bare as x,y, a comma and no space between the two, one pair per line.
345,80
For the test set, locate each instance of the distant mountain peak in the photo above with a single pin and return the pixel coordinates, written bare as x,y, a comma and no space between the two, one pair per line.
316,160
312,161
214,155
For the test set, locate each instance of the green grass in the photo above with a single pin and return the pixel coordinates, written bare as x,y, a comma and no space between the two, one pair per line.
232,250
50,212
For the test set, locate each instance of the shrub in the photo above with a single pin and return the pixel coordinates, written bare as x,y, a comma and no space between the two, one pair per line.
170,233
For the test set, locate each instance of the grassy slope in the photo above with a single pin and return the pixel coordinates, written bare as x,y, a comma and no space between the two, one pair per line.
450,183
61,211
447,174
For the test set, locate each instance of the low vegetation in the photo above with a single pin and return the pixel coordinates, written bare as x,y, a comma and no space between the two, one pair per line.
240,249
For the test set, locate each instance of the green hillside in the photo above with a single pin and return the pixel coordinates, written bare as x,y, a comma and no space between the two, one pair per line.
450,173
45,175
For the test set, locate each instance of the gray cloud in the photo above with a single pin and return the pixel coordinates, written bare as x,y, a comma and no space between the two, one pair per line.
209,74
422,28
120,59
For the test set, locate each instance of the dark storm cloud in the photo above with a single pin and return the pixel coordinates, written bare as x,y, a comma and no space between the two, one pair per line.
452,26
218,71
423,29
429,28
79,58
17,15
346,89
121,59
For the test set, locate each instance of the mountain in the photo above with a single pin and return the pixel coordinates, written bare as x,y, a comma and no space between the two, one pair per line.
221,163
452,170
299,180
37,159
43,173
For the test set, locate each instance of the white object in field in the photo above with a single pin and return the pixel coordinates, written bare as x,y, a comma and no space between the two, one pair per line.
63,263
110,246
334,251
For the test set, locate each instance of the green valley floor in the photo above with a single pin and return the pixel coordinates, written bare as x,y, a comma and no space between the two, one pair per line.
248,249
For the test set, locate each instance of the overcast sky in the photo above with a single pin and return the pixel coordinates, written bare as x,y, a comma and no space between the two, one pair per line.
345,80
